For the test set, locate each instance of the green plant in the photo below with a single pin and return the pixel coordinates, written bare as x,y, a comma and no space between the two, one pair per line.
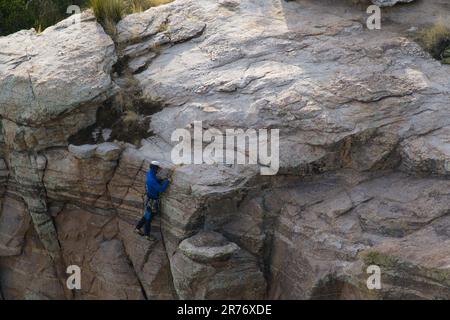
16,15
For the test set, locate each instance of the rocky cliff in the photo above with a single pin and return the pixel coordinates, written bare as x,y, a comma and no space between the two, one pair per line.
364,149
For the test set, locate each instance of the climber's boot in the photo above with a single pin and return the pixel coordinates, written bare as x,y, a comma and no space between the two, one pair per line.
139,232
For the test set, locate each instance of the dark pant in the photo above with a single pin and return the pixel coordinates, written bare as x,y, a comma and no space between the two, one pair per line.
151,208
146,223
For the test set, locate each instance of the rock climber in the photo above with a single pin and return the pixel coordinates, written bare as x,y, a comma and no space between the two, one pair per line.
154,187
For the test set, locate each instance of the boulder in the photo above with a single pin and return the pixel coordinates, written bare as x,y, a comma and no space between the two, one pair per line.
208,247
83,152
43,76
207,266
108,151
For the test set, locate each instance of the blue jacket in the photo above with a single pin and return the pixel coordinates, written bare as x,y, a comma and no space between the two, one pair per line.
154,186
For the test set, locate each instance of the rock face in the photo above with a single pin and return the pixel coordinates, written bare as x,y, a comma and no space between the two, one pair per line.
389,3
208,266
364,156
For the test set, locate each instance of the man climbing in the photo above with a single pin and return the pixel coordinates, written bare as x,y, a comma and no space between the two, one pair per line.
154,187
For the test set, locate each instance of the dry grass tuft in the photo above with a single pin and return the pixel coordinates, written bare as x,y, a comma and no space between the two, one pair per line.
109,12
142,5
435,38
108,9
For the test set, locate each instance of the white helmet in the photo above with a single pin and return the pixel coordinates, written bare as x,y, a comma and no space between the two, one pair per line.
156,163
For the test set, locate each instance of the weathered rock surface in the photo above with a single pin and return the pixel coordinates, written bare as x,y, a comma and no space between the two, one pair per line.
14,223
207,266
364,125
33,88
389,3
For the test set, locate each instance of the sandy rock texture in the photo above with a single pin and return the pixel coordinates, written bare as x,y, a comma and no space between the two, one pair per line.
364,155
